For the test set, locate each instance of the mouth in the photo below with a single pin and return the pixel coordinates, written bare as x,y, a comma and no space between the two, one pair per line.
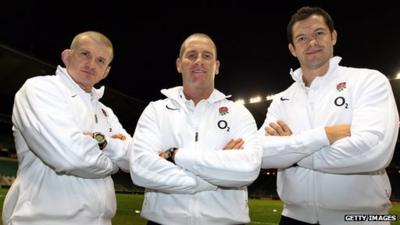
313,51
87,72
198,71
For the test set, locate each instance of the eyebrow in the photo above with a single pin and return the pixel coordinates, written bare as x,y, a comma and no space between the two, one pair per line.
317,29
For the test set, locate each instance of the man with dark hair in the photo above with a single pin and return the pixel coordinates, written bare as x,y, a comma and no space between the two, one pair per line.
331,134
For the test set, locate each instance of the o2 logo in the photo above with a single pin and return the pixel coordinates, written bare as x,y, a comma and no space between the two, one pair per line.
222,124
341,101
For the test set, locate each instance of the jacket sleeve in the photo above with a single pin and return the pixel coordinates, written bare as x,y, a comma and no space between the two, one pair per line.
284,151
117,149
374,130
149,170
229,168
50,131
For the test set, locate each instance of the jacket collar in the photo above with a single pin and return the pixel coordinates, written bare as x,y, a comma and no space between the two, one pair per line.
297,75
74,87
176,93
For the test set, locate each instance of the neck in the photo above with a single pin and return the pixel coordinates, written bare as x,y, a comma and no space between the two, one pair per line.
196,95
309,74
86,89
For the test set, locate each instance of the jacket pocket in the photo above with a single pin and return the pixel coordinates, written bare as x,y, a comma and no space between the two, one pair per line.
354,192
294,185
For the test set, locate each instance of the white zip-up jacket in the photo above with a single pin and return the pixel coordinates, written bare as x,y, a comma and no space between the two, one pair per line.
348,176
208,184
63,177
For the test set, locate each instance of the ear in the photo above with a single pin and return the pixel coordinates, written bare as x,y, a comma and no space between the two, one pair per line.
178,65
107,72
292,50
65,56
217,64
334,37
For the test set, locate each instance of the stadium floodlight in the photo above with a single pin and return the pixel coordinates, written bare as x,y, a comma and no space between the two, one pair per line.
240,101
269,97
397,77
255,99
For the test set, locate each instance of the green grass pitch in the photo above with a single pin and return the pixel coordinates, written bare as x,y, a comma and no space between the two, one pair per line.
262,212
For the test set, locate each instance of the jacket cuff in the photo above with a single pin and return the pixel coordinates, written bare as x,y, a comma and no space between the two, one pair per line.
117,153
185,158
316,138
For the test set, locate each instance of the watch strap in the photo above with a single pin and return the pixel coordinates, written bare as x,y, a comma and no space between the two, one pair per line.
103,142
170,154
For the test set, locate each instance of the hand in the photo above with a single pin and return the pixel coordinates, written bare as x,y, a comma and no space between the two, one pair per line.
234,144
337,132
119,136
279,128
162,155
88,133
115,136
169,154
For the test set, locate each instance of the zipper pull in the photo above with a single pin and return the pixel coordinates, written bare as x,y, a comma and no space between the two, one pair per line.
196,137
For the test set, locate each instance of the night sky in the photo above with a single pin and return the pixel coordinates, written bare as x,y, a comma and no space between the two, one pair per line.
250,37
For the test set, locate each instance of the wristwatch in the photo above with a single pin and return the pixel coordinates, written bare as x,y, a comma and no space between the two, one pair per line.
169,154
101,139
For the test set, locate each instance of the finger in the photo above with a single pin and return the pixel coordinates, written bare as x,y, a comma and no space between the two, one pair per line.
271,131
277,128
88,133
284,127
233,144
238,144
230,144
348,127
266,131
119,136
274,126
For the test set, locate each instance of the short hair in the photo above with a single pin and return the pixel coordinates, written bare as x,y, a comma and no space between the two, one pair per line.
199,35
305,12
96,36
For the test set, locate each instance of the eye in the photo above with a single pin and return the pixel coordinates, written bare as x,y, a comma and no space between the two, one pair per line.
319,33
300,39
101,61
207,55
191,55
84,53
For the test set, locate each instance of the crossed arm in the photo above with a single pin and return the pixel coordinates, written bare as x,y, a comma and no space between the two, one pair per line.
197,170
233,144
333,133
335,149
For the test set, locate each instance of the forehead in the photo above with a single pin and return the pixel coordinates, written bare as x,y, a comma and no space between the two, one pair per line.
97,48
311,23
199,44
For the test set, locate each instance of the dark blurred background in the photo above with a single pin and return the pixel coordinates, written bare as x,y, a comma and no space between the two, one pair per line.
250,36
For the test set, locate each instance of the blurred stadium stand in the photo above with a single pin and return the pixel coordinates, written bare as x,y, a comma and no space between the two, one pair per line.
16,67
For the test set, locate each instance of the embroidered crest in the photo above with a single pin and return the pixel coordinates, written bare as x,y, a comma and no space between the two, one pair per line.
341,86
223,110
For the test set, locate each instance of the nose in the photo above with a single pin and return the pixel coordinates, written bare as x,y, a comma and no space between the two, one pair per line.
90,63
199,60
313,40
